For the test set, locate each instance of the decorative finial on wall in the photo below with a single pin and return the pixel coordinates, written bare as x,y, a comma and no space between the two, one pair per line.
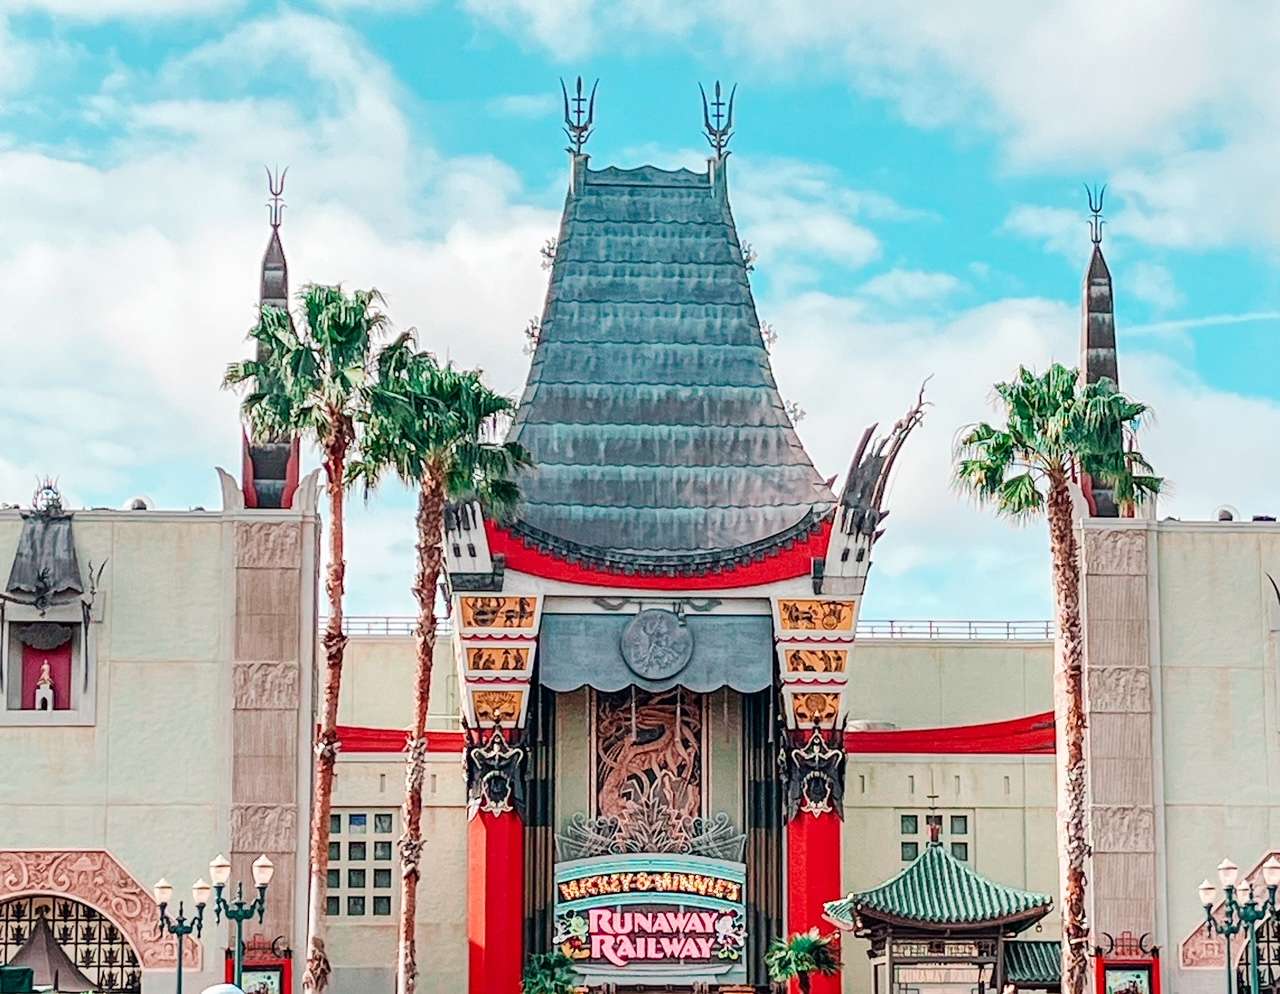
1095,194
717,118
580,119
275,184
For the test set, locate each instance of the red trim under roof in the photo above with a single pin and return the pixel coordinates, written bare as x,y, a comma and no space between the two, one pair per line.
784,563
1028,736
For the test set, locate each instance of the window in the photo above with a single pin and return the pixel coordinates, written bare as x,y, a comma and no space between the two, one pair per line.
954,829
358,888
44,676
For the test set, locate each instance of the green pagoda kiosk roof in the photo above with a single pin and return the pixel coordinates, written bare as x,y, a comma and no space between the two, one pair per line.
1034,963
937,892
658,438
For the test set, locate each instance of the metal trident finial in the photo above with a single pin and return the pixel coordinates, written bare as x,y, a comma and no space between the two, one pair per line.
1095,194
275,184
719,130
578,122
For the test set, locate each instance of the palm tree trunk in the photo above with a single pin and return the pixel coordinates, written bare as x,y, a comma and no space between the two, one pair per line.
803,979
316,976
1069,715
430,528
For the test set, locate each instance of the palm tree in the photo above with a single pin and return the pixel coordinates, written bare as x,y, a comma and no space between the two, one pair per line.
801,956
435,427
310,379
1057,429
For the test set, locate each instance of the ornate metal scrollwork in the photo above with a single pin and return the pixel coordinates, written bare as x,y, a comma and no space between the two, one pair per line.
495,774
813,773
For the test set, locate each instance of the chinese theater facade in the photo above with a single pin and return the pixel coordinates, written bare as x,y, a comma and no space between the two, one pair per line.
665,625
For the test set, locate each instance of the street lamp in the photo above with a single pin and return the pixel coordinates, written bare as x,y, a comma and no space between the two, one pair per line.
238,910
182,926
1241,912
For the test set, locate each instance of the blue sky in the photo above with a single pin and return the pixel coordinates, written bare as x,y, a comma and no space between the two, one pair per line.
911,177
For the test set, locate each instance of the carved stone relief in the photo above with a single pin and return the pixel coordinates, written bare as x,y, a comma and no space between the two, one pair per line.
1116,551
93,877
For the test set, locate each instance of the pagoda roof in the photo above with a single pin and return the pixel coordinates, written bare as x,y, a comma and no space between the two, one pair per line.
658,438
939,891
1034,963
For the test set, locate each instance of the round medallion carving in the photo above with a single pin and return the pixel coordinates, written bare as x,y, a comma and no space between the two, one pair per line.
656,645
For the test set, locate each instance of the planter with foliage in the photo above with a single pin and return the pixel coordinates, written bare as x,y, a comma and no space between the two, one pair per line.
801,956
549,973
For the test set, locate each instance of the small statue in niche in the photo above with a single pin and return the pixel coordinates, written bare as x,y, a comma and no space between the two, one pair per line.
44,688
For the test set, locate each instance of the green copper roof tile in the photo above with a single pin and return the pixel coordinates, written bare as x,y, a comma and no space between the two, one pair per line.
938,889
1033,962
651,412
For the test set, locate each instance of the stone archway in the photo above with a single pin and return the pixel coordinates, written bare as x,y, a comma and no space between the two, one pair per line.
92,877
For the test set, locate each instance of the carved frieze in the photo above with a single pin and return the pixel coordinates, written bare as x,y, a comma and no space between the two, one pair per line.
93,877
498,658
1115,551
268,544
818,616
813,707
1120,689
505,613
266,685
815,661
264,827
1123,828
497,707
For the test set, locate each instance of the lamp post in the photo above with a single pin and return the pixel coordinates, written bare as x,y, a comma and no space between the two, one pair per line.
1241,913
182,926
239,910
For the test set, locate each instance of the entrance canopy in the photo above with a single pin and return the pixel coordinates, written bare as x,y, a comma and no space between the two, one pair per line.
656,650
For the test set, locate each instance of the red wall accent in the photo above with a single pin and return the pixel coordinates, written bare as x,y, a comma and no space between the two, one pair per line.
495,903
813,879
784,564
59,669
1028,736
1032,735
357,738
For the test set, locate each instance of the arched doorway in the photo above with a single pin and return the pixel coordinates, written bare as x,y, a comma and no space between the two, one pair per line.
92,941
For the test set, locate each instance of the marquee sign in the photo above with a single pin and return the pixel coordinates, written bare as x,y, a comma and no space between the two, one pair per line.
659,917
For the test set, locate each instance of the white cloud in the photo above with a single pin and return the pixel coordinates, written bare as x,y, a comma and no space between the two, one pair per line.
102,10
527,105
1154,284
1059,230
906,287
941,554
132,278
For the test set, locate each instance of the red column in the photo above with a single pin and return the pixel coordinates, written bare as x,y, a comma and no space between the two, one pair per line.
813,879
495,903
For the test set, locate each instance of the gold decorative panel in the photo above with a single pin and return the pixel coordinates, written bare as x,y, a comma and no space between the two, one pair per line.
498,612
815,708
816,660
816,615
497,658
501,707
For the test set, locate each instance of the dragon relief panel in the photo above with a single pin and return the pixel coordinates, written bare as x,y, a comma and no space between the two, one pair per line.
648,746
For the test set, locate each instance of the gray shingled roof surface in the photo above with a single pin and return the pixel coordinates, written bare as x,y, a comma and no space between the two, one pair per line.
654,422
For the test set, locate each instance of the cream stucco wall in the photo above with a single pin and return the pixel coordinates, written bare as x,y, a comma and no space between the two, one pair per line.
149,780
1215,620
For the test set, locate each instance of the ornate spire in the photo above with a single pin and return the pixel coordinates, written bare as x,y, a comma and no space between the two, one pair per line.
717,119
275,271
1098,336
1098,333
579,120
